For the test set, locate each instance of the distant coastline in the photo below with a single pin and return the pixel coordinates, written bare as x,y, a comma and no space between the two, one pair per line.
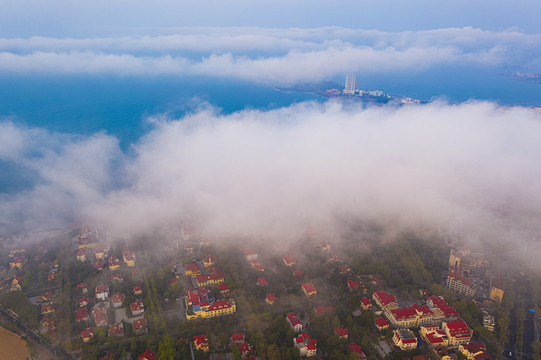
332,90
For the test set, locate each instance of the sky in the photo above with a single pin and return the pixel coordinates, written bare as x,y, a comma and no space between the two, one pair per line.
471,167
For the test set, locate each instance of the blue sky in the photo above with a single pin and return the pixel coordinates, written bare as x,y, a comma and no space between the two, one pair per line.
100,18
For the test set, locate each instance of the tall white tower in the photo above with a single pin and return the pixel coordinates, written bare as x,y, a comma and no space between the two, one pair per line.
350,84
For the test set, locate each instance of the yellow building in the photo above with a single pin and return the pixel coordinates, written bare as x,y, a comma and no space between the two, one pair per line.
218,308
496,294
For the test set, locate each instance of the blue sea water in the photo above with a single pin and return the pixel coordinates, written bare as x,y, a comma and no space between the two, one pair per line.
119,105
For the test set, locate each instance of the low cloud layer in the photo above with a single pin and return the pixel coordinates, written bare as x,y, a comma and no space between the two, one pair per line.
471,168
280,56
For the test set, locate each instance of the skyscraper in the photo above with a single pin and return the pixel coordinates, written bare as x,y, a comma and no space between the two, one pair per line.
350,84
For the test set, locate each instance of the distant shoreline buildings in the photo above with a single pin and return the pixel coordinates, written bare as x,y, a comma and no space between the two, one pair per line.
350,89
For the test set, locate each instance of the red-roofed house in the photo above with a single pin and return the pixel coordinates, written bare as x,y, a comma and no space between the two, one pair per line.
245,349
192,269
458,332
117,278
201,343
209,260
441,310
381,324
82,314
147,355
102,292
341,332
262,281
98,265
129,257
271,299
100,316
223,288
474,351
137,307
294,322
47,308
81,255
83,287
209,279
403,317
384,300
46,297
321,309
307,346
460,285
140,326
116,329
289,260
137,290
83,301
298,273
366,304
434,336
256,265
405,339
114,263
250,254
352,285
118,299
354,348
238,338
309,289
87,334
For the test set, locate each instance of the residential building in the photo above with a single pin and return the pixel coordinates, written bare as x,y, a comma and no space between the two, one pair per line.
209,260
289,261
488,321
366,304
458,332
102,292
129,257
474,351
294,322
384,300
83,287
116,329
100,316
381,324
87,334
118,299
307,346
341,332
434,336
82,314
460,284
271,299
137,290
201,343
262,281
140,326
147,355
309,289
496,290
405,339
114,263
137,307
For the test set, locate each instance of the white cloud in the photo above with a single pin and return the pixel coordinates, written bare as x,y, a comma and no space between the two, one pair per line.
472,168
272,55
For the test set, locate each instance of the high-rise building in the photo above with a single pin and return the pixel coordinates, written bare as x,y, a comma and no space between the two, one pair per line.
350,84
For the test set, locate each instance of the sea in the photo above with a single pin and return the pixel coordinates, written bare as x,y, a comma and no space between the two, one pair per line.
121,105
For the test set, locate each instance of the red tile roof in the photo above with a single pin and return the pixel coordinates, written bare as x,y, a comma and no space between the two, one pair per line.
341,332
147,355
298,272
384,297
459,329
262,281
